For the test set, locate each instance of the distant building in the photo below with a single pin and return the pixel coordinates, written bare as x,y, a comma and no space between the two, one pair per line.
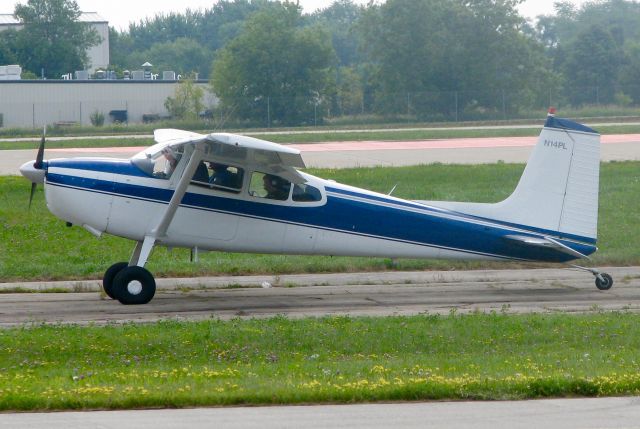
34,103
98,54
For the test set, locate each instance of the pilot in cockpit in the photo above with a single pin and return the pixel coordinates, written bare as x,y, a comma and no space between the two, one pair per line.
171,161
277,188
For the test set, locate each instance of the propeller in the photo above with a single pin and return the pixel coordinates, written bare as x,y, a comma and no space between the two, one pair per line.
33,170
40,155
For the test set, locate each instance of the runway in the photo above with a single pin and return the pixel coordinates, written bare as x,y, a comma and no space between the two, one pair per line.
590,413
615,147
355,294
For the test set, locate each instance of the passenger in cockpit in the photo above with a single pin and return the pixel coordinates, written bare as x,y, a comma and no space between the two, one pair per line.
223,177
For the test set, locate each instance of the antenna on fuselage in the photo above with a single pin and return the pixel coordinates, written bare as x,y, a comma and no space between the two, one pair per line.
393,189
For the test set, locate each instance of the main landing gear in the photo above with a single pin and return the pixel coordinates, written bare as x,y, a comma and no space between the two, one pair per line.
129,284
603,280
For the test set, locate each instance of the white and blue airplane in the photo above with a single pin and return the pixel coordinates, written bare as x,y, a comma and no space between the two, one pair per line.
226,192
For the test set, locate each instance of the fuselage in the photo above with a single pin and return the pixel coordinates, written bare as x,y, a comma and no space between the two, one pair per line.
118,198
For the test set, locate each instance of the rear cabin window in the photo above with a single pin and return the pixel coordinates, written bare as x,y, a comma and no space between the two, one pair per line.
221,177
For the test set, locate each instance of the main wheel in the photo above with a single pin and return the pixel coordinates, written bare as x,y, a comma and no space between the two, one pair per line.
605,283
109,275
134,285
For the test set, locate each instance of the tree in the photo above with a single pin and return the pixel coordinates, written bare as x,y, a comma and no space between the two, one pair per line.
52,39
275,71
628,77
187,100
431,56
340,19
591,67
8,47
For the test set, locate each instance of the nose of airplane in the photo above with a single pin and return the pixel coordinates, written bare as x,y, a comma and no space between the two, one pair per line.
35,175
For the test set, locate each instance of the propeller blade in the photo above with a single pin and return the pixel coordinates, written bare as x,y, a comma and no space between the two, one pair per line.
40,155
33,191
37,164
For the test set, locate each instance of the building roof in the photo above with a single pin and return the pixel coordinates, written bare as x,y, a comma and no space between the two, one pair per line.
89,17
8,19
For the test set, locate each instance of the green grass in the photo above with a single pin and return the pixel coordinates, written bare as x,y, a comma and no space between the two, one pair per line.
280,361
81,143
27,237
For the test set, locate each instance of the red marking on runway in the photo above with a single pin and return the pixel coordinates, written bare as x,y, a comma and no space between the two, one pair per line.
483,142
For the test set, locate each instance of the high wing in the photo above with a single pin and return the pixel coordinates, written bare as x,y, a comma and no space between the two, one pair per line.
265,156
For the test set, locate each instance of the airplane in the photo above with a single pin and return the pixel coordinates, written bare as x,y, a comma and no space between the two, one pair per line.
234,193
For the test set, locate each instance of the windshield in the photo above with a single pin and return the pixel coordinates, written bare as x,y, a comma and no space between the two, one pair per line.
158,160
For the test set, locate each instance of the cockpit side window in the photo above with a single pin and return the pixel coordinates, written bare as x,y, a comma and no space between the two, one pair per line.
269,186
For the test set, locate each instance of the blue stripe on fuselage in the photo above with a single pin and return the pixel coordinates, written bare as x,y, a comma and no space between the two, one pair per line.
433,209
364,216
116,166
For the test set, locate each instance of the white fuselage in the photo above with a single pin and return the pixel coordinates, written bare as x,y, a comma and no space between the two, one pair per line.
108,196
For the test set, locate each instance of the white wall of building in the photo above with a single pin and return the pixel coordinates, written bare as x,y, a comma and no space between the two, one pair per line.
35,103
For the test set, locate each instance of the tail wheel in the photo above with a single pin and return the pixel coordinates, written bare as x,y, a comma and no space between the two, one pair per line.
109,275
604,281
134,285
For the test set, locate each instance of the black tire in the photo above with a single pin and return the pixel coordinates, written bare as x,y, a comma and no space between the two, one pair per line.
605,283
134,285
109,275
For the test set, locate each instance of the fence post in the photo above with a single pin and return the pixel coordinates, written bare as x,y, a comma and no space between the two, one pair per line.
455,96
33,115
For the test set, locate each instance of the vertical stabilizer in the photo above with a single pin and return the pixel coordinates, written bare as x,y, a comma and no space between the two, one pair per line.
558,190
559,187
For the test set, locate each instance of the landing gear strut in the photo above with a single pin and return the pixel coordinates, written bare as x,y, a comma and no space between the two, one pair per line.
603,280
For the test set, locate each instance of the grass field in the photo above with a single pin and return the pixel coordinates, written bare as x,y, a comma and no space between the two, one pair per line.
27,237
332,359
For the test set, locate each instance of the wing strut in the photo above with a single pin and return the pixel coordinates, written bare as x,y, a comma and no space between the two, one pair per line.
143,248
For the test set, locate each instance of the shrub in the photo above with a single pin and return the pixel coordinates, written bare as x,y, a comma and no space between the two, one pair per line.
97,119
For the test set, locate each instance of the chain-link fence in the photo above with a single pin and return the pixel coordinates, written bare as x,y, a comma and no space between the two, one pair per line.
428,106
348,108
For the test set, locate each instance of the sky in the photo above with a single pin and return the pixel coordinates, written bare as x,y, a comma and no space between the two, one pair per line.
120,12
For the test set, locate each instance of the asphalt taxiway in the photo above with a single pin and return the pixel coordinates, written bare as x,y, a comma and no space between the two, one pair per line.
378,294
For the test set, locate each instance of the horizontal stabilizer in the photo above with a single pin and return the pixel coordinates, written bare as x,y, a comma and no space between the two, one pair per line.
546,242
